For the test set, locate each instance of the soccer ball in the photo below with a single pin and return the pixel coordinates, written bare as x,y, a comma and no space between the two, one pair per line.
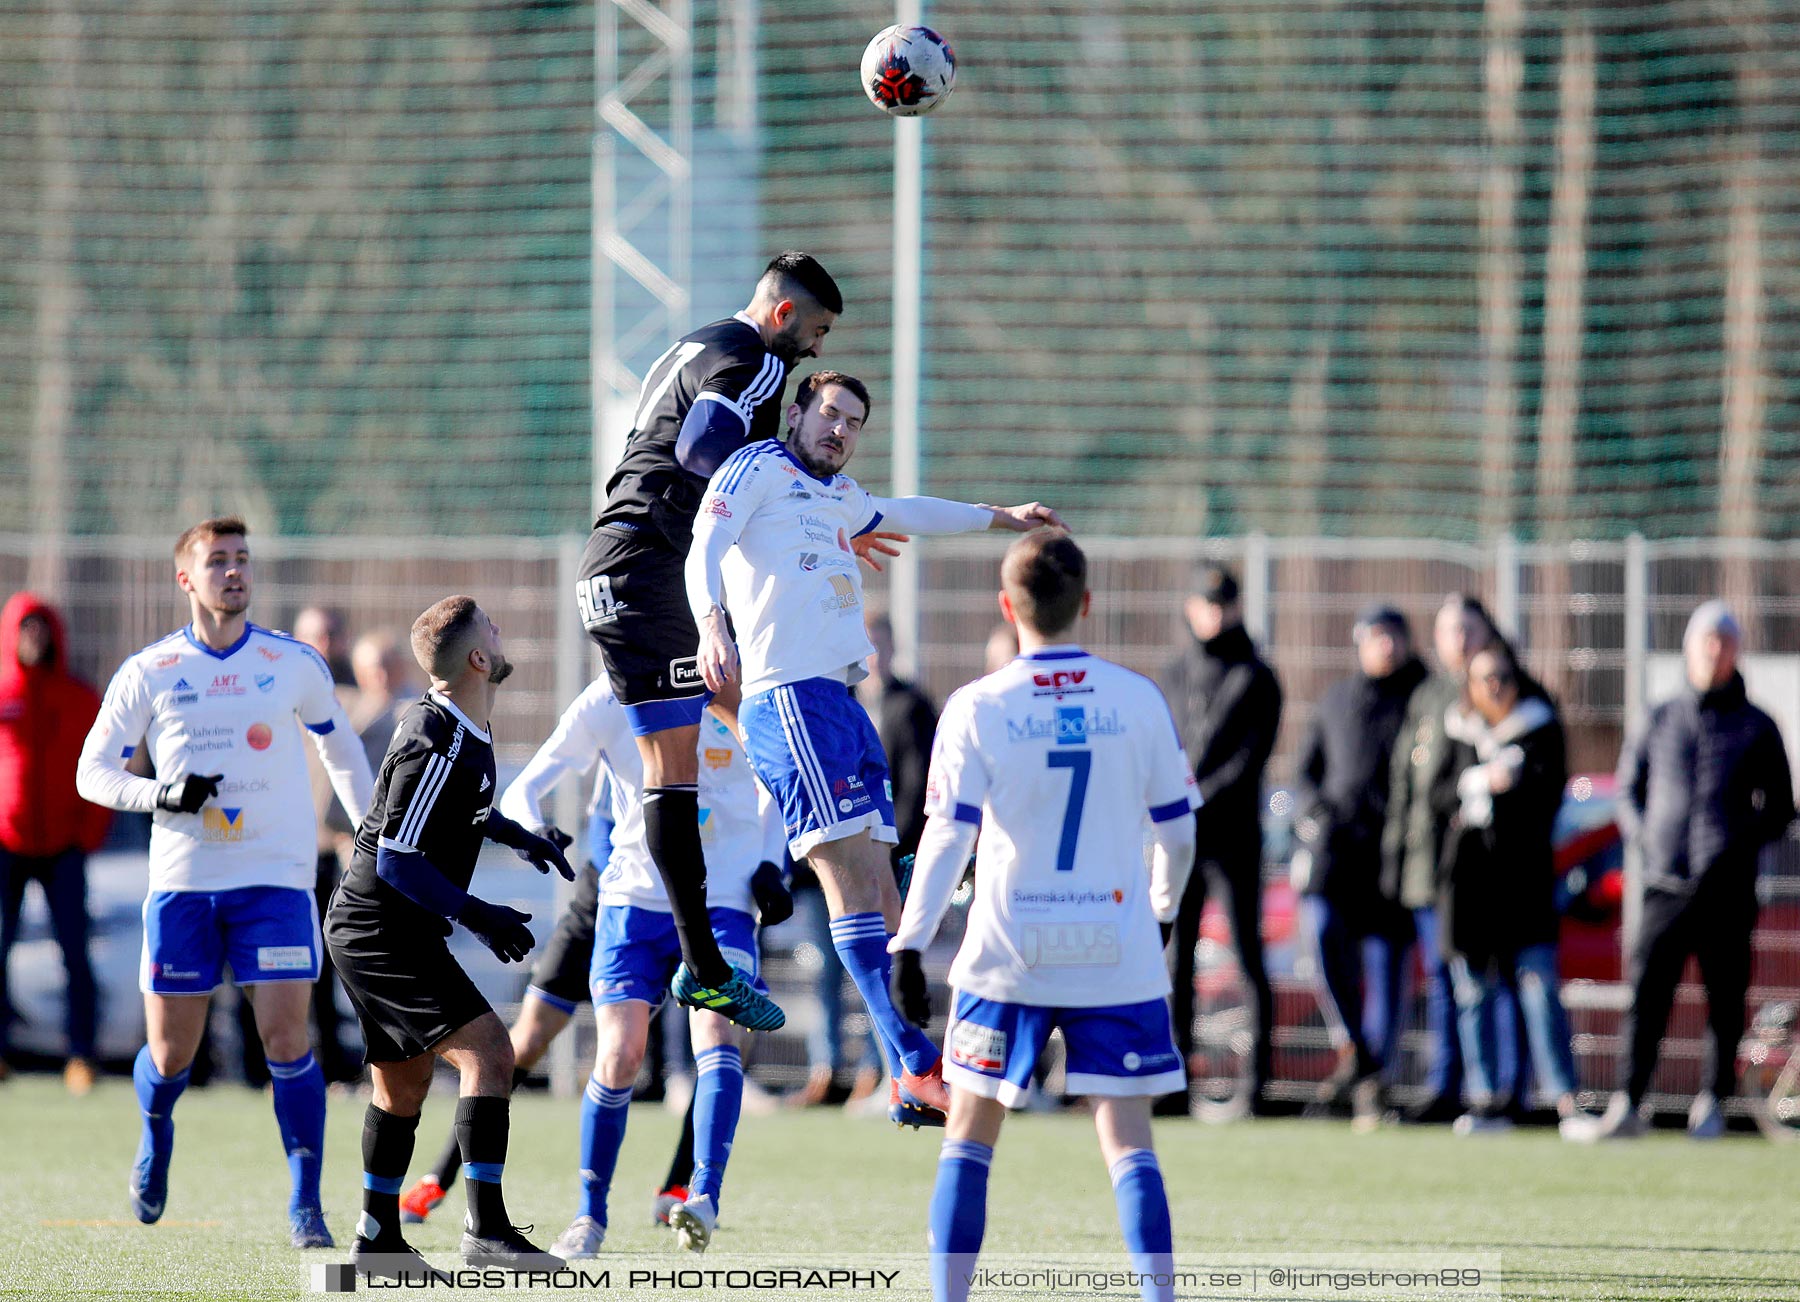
908,71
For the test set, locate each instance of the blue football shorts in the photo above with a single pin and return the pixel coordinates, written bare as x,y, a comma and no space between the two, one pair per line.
1118,1050
266,933
816,751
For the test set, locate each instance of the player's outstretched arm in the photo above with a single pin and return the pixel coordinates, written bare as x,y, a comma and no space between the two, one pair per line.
932,515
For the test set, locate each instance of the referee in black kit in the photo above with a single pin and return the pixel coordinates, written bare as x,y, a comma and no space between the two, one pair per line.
415,854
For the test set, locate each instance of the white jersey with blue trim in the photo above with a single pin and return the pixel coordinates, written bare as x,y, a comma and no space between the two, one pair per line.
733,832
791,582
1062,759
242,713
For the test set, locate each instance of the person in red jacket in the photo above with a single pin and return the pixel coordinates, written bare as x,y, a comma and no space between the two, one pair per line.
46,830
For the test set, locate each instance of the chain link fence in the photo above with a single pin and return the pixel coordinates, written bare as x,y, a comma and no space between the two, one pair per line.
1601,623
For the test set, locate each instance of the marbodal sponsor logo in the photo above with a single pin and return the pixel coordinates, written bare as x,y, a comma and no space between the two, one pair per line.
1070,725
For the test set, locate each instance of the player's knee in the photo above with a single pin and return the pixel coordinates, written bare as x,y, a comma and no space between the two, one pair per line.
617,1065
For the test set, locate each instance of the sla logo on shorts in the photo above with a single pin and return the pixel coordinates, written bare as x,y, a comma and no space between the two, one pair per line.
284,958
217,824
979,1048
595,598
685,673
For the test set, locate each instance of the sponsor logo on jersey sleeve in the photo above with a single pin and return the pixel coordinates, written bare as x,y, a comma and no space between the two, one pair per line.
165,662
267,654
717,505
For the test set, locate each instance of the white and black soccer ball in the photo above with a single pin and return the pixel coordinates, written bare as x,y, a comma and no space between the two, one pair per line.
908,71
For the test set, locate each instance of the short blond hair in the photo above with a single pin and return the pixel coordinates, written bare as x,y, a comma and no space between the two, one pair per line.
220,526
442,636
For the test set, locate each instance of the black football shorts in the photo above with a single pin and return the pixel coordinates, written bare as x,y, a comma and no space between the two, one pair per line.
633,599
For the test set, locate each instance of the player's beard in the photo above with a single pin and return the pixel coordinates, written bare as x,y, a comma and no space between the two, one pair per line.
786,345
501,671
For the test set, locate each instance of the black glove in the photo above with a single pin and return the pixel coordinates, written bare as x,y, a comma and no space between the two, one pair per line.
912,994
187,795
543,852
501,929
773,899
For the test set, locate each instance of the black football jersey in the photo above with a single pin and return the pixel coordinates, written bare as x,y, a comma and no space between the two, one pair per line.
432,795
650,490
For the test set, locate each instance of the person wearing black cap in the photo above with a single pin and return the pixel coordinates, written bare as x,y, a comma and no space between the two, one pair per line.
1341,798
1702,789
1227,706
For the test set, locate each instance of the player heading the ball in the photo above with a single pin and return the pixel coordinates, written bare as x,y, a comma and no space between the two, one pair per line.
1059,759
787,516
712,392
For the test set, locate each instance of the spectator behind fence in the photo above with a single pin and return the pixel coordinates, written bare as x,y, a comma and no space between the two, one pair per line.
322,629
906,721
1412,839
1702,789
386,683
1361,938
1227,706
1497,895
47,830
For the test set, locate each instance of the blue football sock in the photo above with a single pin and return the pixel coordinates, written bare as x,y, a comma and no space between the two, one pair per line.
718,1099
1144,1217
300,1115
958,1216
156,1095
603,1112
861,940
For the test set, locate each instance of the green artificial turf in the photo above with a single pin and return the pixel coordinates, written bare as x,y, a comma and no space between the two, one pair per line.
1661,1218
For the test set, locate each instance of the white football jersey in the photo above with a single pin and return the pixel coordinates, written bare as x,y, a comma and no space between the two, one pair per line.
792,584
239,713
1060,757
733,833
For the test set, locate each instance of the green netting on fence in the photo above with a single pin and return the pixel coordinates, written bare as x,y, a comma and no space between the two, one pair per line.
1440,267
